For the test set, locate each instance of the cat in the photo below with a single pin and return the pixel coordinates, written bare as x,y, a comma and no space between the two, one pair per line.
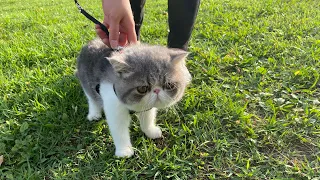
140,78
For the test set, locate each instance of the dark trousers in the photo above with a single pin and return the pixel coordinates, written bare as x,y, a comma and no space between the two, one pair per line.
182,15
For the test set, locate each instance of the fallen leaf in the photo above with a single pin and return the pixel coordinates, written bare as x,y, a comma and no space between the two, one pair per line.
316,102
1,159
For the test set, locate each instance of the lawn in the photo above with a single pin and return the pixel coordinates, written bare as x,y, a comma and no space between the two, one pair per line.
252,111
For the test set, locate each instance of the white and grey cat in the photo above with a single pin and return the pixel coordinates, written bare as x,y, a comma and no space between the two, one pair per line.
140,78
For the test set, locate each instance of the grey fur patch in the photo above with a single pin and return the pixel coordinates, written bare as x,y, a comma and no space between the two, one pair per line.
134,66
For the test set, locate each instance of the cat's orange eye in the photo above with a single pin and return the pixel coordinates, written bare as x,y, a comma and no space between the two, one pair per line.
170,86
143,89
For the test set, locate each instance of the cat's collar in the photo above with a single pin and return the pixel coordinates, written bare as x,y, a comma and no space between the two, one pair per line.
131,111
114,90
119,49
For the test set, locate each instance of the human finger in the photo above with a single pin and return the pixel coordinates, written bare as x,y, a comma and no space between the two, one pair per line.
114,34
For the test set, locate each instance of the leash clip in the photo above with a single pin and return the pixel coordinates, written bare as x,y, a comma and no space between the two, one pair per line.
91,18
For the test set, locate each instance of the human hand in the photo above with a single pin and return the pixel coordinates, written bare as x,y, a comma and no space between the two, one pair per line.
118,19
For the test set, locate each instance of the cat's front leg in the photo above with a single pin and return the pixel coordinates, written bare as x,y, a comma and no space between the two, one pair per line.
148,125
118,119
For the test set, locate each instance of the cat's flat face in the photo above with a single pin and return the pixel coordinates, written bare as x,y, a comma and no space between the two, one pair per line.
150,76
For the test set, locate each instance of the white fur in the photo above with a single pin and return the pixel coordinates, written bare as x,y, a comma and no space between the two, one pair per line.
118,119
94,109
148,124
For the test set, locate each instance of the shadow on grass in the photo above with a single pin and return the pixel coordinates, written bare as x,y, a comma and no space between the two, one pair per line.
53,139
51,133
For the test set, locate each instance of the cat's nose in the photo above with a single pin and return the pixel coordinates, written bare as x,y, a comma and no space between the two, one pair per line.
156,91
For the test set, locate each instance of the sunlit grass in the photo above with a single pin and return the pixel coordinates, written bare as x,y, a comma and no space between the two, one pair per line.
252,110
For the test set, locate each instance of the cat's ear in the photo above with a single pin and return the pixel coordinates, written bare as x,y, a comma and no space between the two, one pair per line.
178,56
119,65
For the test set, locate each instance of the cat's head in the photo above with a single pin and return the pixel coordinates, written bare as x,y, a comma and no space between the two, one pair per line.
150,76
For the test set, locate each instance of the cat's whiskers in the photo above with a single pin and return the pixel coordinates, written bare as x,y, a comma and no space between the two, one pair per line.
175,106
166,97
165,75
143,115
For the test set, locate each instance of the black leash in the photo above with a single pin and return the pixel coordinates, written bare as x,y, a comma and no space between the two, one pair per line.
94,20
91,18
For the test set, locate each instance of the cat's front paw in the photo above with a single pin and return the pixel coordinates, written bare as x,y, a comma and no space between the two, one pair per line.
153,132
94,116
124,152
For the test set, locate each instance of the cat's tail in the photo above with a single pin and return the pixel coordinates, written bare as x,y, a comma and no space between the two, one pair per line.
76,73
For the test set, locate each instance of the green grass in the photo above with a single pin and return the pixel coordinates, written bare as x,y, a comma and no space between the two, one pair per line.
252,111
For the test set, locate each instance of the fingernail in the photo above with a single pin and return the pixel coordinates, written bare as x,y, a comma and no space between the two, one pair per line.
114,44
105,40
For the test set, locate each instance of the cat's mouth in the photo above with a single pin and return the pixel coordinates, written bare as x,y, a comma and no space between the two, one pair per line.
161,104
149,102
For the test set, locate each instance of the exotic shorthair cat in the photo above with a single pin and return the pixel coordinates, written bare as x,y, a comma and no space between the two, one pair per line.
139,78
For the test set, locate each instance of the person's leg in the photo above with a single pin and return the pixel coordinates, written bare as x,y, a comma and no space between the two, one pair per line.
138,11
182,15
